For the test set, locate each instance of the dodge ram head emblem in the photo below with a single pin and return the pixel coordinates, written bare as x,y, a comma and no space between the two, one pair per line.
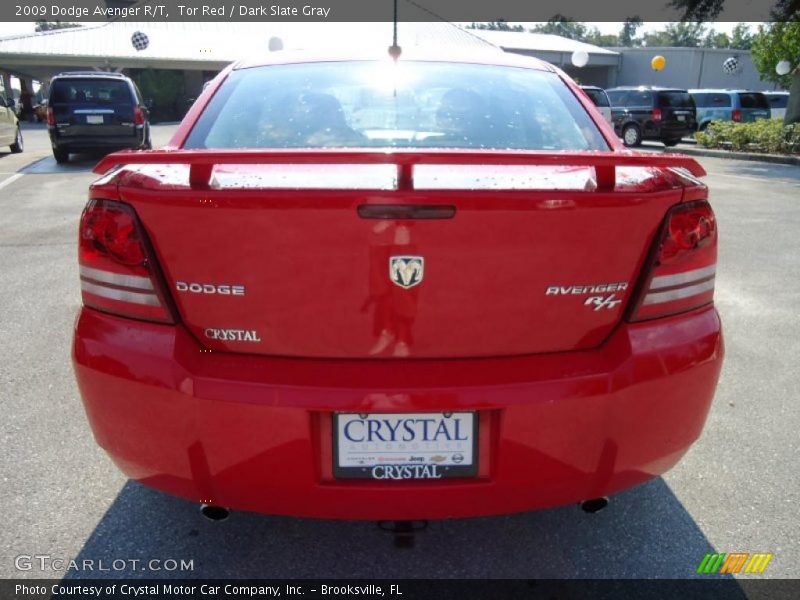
406,271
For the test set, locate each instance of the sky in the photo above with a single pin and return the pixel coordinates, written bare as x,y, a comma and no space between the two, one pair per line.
7,28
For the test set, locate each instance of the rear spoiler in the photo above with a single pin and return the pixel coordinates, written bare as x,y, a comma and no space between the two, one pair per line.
201,162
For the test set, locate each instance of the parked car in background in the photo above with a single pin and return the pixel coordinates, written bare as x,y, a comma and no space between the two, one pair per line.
40,111
650,113
778,101
600,99
344,294
740,106
95,110
10,132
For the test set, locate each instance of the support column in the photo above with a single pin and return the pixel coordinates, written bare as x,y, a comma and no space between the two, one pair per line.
26,99
7,85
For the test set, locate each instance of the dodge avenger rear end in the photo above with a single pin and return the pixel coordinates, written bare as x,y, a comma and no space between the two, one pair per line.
372,289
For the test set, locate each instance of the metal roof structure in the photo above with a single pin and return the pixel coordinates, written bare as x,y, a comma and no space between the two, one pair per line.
207,46
515,41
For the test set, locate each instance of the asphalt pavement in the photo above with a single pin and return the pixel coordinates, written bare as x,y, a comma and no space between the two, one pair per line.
737,490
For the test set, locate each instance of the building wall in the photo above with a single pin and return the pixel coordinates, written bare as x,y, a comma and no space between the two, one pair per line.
601,70
601,76
688,68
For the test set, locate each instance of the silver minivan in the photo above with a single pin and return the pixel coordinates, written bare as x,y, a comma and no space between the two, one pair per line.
600,99
778,101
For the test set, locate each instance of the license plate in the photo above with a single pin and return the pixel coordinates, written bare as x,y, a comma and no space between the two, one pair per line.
94,119
401,446
681,117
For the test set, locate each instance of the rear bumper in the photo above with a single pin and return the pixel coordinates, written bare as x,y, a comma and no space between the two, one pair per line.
653,132
670,133
78,143
254,433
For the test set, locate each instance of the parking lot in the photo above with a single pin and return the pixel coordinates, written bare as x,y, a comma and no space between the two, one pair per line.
737,490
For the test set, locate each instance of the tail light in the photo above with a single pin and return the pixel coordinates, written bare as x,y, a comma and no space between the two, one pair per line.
657,115
51,117
118,273
737,115
680,273
138,115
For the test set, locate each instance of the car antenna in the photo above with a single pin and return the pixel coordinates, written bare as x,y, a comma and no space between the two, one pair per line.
394,49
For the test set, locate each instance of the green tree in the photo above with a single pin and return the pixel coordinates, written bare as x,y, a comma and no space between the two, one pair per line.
500,25
593,36
164,88
741,37
685,34
708,10
717,39
774,43
561,25
627,36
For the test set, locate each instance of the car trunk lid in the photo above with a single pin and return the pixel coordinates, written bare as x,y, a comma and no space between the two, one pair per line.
379,255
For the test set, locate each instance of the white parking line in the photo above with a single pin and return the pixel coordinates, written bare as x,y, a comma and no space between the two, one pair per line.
759,179
11,179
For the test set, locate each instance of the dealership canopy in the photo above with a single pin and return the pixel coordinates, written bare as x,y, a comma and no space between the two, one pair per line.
211,46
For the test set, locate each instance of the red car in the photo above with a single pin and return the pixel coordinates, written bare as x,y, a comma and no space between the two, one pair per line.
354,288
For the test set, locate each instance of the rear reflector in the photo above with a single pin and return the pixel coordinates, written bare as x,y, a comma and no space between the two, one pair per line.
680,273
117,270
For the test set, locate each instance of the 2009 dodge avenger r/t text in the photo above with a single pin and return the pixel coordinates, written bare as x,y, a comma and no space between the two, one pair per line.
434,287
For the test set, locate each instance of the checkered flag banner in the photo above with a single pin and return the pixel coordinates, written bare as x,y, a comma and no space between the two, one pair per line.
731,65
140,40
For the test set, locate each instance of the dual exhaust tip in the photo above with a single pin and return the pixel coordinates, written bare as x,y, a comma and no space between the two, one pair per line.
220,513
214,513
594,505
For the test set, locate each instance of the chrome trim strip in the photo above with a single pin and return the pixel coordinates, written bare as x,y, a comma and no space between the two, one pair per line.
93,111
679,293
132,281
122,295
681,278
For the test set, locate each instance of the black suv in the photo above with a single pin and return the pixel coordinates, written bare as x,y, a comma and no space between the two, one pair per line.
650,113
95,110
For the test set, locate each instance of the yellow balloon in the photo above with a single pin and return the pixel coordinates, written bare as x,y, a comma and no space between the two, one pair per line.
658,63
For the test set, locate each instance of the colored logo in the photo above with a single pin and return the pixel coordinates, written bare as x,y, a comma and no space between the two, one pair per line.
734,562
406,271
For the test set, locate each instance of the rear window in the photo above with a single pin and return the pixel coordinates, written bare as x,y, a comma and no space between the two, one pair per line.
411,104
753,100
97,91
778,100
712,100
616,98
598,97
675,100
638,98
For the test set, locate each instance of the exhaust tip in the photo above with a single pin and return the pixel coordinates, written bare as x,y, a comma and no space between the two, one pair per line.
594,505
214,513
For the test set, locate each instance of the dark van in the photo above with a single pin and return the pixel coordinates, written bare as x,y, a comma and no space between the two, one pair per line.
650,113
94,111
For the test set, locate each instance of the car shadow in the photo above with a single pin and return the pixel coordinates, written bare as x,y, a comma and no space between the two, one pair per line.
644,533
78,163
